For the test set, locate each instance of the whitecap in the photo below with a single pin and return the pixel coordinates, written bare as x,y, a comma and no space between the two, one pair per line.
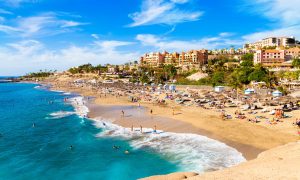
191,152
61,114
79,104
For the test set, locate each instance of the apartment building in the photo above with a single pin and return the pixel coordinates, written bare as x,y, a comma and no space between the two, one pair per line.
292,53
153,59
194,58
269,58
272,42
172,58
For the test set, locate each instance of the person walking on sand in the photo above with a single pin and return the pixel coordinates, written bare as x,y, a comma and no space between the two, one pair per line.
123,113
151,111
173,111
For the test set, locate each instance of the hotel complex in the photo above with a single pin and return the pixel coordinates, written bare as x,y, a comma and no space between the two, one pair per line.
284,42
187,60
270,52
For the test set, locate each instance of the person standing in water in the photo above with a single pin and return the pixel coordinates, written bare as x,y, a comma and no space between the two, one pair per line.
141,129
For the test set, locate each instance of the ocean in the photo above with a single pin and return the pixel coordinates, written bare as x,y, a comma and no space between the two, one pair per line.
42,136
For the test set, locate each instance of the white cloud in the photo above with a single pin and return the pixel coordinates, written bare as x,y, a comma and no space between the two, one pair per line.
163,12
111,45
17,3
44,24
287,31
96,36
160,44
8,29
3,11
27,56
27,47
284,11
283,14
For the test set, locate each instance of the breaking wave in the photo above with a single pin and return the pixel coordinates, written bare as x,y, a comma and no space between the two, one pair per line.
191,152
61,114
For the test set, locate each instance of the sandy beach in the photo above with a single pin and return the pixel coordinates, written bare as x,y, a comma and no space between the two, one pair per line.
250,139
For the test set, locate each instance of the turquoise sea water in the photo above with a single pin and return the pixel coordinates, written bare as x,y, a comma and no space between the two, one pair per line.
43,151
38,128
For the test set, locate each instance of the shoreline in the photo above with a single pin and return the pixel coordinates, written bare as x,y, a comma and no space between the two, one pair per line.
249,139
226,156
162,123
249,152
238,135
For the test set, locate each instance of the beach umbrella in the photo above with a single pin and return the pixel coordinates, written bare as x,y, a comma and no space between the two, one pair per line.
277,94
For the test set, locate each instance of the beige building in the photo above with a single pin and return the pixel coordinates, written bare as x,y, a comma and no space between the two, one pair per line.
193,58
172,58
272,42
269,58
153,59
292,53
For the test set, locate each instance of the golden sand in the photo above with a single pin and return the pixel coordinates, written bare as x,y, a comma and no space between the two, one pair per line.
248,138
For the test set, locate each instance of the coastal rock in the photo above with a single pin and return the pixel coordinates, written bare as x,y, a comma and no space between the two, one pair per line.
197,76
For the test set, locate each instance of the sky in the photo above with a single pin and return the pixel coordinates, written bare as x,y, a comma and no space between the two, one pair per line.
59,34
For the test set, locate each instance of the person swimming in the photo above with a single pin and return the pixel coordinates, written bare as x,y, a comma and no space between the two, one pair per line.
126,152
33,125
116,147
71,147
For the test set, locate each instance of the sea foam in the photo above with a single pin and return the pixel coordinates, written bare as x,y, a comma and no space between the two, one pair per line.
191,152
61,114
79,104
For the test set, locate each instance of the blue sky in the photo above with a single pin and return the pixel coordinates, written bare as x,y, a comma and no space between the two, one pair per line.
58,34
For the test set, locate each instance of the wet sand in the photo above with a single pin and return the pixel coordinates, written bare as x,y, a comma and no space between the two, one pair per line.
248,138
138,116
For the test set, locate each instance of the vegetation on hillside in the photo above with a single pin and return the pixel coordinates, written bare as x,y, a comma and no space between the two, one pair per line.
233,76
40,74
88,68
